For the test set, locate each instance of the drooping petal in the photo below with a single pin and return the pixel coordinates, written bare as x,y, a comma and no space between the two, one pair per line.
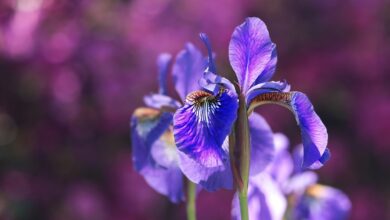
322,203
266,87
250,51
163,62
265,199
200,129
147,125
298,159
209,178
154,152
160,101
313,131
187,70
168,182
262,143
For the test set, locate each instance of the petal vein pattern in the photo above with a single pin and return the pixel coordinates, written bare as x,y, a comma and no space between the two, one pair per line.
203,123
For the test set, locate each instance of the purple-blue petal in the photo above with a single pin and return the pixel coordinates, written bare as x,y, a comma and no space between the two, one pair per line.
211,64
250,51
265,200
163,62
147,126
159,101
266,87
322,203
269,69
209,178
201,127
262,143
282,166
213,83
168,182
187,70
313,131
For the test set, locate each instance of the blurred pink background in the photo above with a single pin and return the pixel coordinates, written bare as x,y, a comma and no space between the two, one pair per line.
72,72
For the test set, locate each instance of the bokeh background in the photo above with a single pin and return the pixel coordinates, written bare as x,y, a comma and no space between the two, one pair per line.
72,72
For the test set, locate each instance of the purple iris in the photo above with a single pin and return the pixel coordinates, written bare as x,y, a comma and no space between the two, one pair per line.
203,124
154,151
285,191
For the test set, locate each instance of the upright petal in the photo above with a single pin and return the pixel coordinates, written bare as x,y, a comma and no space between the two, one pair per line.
188,69
262,143
250,52
200,129
163,62
265,199
313,131
147,125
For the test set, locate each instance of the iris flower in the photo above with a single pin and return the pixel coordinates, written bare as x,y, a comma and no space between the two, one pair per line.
154,151
286,191
202,125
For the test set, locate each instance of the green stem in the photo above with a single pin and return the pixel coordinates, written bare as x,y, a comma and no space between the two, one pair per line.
243,143
191,201
243,196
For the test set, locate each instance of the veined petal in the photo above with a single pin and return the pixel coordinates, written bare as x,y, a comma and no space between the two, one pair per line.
209,178
266,87
269,69
147,125
163,62
265,199
160,101
188,69
262,143
200,129
322,202
250,51
313,131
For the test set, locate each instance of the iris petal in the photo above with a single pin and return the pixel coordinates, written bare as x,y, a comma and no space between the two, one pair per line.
265,199
266,87
154,152
262,143
160,101
163,62
147,125
322,202
250,51
269,69
313,131
200,129
188,69
168,182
